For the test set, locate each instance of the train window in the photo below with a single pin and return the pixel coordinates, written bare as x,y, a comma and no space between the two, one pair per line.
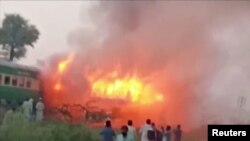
7,80
14,81
28,83
35,84
21,82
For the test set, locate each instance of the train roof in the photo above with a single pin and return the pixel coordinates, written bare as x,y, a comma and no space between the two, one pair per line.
17,66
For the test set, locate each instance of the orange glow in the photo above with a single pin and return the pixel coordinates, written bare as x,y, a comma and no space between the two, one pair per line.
61,67
73,84
114,85
64,64
57,86
129,87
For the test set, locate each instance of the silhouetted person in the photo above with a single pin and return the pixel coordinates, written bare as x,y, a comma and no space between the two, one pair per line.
123,136
157,133
177,133
131,130
168,133
14,105
108,133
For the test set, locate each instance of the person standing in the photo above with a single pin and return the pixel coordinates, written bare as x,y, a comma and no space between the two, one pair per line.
131,130
3,109
107,119
144,131
31,109
39,110
108,133
178,133
13,105
124,136
26,110
8,117
157,133
168,133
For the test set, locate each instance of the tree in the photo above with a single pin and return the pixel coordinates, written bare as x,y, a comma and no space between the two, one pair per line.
16,34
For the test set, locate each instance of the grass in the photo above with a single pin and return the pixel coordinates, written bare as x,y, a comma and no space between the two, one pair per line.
16,129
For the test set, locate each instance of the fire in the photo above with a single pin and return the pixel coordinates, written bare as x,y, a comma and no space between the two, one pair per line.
74,84
71,83
129,87
112,85
64,64
57,86
61,68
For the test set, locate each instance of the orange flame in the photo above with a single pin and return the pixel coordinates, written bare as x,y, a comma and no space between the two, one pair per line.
64,64
113,85
129,87
58,86
61,68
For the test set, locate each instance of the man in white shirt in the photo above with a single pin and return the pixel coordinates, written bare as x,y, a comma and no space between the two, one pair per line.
123,136
27,109
39,110
144,130
131,130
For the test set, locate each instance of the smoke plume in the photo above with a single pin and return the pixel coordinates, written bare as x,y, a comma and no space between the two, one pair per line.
195,52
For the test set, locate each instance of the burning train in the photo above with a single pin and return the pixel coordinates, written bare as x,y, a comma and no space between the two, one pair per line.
106,95
81,89
138,65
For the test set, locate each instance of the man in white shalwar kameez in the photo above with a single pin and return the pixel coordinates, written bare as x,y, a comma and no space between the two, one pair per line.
39,110
144,130
131,130
28,109
8,117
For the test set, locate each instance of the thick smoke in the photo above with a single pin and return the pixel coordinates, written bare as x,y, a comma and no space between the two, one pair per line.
198,52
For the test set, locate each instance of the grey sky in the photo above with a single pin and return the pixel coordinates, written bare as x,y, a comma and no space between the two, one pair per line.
54,19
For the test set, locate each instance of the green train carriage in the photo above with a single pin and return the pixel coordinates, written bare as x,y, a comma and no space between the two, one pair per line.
18,82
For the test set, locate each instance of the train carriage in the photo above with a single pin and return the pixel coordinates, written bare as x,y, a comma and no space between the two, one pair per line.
18,82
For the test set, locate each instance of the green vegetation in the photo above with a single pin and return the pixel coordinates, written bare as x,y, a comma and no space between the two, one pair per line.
16,33
19,130
16,129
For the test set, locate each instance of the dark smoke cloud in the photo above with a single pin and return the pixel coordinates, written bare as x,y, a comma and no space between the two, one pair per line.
190,43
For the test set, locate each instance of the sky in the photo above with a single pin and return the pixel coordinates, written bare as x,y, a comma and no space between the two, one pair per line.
54,19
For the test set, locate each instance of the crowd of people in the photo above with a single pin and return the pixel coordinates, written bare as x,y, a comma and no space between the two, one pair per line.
29,110
148,132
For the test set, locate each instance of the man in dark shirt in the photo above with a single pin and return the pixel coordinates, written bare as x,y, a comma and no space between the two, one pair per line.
108,133
157,133
178,133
